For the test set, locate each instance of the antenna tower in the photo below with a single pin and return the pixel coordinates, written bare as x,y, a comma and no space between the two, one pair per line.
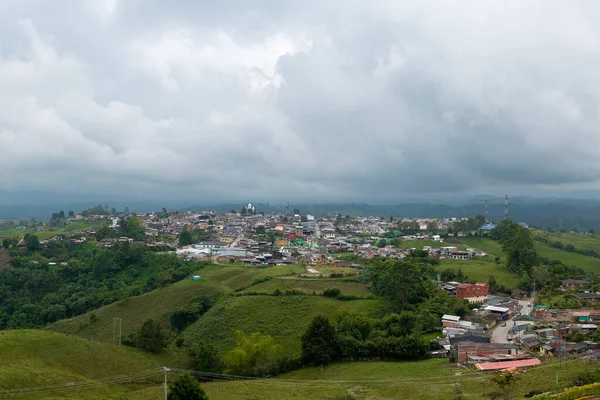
485,211
506,205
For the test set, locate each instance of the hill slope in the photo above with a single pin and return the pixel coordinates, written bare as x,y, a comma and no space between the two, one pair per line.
32,358
283,317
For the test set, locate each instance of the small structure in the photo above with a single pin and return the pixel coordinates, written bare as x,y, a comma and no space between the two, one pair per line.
573,284
196,277
581,316
507,365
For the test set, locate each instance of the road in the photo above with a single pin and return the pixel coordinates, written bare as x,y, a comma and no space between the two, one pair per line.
500,333
237,239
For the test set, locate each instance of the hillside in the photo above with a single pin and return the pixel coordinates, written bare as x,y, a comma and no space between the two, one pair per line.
219,279
283,317
31,358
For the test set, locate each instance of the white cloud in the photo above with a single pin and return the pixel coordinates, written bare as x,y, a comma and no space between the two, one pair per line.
293,99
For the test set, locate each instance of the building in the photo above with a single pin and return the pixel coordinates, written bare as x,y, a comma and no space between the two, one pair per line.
574,284
467,290
460,255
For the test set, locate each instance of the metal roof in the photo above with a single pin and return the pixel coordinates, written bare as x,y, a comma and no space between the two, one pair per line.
448,317
491,366
496,309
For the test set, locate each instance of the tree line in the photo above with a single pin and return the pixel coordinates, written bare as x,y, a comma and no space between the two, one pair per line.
34,293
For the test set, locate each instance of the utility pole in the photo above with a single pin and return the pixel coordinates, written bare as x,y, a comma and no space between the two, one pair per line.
165,384
116,339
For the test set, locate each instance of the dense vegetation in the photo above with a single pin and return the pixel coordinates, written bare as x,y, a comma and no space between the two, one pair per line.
64,279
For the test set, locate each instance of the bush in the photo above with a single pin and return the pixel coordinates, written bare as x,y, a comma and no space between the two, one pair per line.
148,337
332,292
587,377
186,388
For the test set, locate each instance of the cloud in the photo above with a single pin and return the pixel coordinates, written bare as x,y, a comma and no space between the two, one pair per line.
276,100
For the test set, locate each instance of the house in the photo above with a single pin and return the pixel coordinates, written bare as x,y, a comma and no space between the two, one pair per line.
503,312
462,350
447,251
474,293
581,316
460,255
573,284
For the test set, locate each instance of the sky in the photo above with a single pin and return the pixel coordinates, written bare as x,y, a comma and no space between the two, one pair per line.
322,100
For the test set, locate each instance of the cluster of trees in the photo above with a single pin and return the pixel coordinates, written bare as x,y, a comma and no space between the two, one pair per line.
182,317
468,225
352,335
517,246
406,283
188,237
60,218
101,210
34,293
131,227
150,337
255,354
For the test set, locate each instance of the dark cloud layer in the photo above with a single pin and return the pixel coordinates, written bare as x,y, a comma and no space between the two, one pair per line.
287,99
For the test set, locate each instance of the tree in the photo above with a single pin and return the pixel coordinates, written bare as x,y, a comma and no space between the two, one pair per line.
33,243
102,233
382,243
61,214
504,381
232,211
296,211
492,282
71,214
319,342
260,230
255,355
5,243
186,388
134,228
205,358
150,337
432,227
185,237
244,211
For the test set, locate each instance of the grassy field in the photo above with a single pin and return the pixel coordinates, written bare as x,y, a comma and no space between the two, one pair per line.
214,280
429,379
284,317
581,241
135,310
33,358
310,285
480,269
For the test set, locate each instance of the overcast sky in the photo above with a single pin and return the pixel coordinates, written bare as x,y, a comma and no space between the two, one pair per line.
274,99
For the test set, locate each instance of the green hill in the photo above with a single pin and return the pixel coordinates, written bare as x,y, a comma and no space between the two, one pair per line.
135,310
33,358
283,317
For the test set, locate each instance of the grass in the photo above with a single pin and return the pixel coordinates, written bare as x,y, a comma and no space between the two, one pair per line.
284,317
159,303
34,358
581,241
310,285
135,310
38,358
480,269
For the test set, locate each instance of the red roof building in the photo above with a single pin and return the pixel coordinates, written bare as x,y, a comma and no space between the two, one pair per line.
466,290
